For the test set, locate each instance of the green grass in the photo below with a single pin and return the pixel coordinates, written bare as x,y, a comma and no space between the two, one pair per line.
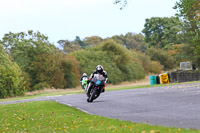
81,91
49,117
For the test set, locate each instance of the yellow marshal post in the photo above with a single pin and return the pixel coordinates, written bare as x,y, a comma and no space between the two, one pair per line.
164,78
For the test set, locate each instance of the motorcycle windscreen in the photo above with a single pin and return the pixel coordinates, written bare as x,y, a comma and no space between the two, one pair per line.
98,82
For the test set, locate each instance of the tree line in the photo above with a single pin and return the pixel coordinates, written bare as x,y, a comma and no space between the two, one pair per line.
28,61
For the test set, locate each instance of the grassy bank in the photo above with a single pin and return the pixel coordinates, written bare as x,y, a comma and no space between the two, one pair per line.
48,116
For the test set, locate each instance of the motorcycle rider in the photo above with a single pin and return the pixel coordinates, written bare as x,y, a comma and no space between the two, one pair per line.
82,79
101,71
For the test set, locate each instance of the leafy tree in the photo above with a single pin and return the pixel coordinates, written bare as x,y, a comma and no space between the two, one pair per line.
120,39
12,82
160,32
122,57
119,54
163,57
116,59
25,47
135,41
68,46
148,65
71,70
90,58
92,41
189,12
181,52
80,42
56,70
47,68
131,41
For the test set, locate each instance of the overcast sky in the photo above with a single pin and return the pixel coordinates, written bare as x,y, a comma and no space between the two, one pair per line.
65,19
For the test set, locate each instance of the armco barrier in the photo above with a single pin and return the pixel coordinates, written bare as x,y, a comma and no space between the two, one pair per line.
184,76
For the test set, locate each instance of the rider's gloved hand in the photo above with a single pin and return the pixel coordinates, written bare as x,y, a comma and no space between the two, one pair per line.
88,81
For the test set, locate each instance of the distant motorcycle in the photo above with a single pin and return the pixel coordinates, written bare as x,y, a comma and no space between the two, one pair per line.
84,83
97,85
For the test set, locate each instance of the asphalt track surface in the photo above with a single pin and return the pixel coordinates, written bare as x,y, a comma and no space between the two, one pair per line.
171,106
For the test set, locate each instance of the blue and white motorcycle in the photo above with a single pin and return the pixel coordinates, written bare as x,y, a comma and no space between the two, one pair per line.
97,84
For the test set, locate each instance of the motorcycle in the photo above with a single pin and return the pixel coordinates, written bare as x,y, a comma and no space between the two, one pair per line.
97,84
84,83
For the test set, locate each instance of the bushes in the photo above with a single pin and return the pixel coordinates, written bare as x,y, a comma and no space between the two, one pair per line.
148,65
12,82
120,55
71,69
89,59
163,57
115,59
47,68
56,70
41,86
131,70
155,67
24,49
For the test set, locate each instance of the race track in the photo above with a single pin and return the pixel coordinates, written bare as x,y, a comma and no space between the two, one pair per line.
177,105
172,106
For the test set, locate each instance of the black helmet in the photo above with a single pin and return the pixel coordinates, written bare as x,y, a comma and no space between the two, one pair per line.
99,68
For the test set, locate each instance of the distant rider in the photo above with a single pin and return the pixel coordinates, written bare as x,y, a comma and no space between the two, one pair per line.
83,80
101,71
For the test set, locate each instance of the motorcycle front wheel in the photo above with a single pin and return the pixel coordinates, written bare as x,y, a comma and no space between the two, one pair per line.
93,95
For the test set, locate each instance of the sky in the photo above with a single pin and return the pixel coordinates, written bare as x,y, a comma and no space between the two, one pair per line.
66,19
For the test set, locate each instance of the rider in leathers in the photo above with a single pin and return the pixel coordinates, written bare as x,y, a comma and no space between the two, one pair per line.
101,71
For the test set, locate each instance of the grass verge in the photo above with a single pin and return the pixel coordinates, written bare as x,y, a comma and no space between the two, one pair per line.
48,116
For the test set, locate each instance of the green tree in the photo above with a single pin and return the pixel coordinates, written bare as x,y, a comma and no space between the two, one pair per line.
80,42
160,32
25,47
90,58
148,65
130,69
163,57
68,46
116,60
92,41
135,41
12,82
189,13
56,70
131,41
